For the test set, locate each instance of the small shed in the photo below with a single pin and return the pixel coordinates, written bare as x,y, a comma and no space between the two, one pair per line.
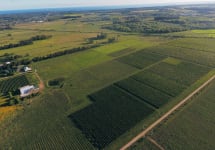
8,63
27,69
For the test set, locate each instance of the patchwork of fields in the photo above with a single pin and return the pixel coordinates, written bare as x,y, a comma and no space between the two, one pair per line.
200,51
131,80
191,126
108,93
152,88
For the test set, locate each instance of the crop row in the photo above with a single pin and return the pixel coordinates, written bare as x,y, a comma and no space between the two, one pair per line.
3,101
199,57
203,44
184,73
12,84
112,113
156,81
146,93
141,59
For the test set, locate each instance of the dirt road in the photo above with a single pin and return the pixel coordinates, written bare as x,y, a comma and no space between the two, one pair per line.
41,84
142,134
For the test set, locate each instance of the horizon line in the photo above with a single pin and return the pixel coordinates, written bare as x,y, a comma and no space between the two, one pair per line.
112,6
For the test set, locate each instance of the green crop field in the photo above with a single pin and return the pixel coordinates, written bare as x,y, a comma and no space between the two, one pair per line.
141,59
110,110
203,34
198,44
146,93
47,115
160,82
200,57
192,124
13,84
183,73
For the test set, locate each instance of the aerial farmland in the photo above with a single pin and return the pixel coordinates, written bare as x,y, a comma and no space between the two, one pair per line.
100,79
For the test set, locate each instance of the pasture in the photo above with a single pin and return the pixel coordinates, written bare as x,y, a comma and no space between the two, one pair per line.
60,41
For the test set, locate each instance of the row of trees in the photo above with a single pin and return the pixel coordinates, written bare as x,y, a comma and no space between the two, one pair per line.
146,27
65,52
25,42
73,50
100,36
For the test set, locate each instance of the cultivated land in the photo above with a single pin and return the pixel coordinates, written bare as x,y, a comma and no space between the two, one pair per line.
174,132
107,76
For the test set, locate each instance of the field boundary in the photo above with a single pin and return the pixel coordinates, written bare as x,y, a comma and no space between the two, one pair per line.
158,121
155,143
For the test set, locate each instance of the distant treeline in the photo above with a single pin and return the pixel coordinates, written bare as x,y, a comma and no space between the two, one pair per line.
71,17
162,21
146,27
25,42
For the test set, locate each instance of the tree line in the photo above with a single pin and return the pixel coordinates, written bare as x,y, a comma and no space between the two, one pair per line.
70,51
25,42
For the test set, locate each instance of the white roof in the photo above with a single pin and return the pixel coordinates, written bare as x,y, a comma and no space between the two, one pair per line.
26,90
27,69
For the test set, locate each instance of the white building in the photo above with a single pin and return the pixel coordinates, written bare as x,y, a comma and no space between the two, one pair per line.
26,90
26,69
8,63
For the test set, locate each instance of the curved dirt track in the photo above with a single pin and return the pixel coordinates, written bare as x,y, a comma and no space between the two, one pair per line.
143,133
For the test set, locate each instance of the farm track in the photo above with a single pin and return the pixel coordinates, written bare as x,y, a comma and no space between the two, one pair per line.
153,125
41,84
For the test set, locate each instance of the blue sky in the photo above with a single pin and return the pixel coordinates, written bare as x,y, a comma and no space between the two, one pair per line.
33,4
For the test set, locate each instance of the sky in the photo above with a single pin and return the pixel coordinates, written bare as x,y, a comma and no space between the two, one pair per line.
35,4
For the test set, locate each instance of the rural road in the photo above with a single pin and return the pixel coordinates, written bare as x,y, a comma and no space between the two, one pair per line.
143,133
